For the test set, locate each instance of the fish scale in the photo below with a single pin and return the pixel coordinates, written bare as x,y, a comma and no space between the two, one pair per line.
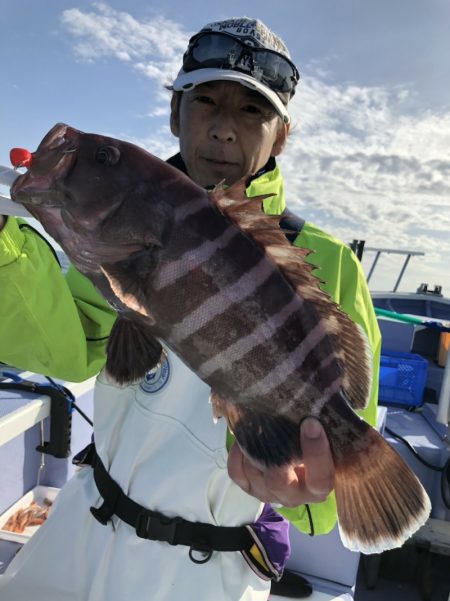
250,281
214,279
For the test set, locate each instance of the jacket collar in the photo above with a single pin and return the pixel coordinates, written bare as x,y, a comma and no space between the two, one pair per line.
268,180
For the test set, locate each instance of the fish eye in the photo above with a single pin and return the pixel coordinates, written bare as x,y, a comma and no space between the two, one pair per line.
107,155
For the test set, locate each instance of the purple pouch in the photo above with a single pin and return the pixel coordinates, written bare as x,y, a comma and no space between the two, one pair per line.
271,537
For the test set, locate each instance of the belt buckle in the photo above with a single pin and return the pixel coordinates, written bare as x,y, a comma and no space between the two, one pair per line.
156,526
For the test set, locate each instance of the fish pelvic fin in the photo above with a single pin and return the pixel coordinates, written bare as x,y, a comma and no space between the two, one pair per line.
380,501
132,350
350,342
266,439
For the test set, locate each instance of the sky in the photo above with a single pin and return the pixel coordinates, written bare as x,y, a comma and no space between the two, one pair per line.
368,156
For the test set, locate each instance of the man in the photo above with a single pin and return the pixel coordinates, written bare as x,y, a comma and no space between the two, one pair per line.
157,443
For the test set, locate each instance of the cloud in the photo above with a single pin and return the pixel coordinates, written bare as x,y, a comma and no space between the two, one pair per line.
152,47
357,162
363,168
160,143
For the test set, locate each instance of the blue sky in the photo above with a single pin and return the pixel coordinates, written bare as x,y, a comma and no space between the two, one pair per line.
369,153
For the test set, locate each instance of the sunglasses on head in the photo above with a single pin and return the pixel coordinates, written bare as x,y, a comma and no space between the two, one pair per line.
216,50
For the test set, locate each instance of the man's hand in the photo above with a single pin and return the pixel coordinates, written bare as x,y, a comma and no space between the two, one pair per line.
309,482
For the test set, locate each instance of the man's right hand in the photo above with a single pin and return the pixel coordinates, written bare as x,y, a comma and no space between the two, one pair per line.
310,481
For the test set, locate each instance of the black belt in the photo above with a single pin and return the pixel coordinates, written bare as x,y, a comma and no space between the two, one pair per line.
153,525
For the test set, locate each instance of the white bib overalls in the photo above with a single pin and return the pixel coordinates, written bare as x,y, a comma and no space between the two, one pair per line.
160,444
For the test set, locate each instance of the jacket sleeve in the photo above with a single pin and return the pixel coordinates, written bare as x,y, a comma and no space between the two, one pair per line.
50,323
345,281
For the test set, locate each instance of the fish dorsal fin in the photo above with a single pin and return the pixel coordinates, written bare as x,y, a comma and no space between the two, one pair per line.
348,338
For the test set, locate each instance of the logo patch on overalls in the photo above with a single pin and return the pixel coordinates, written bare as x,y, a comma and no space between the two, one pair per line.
157,377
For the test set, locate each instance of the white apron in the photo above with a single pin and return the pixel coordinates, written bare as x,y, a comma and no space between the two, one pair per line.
160,443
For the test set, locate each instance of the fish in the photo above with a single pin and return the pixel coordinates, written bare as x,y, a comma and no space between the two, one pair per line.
213,278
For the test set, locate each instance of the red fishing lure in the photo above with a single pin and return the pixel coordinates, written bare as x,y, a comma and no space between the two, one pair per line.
20,157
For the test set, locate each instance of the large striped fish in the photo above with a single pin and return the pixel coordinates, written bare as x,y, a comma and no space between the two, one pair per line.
216,280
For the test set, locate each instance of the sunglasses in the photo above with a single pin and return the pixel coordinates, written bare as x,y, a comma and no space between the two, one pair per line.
214,50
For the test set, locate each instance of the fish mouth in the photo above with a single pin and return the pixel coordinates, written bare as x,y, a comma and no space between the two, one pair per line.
53,160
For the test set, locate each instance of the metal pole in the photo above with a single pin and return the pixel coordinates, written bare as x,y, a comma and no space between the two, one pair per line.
377,256
405,264
443,412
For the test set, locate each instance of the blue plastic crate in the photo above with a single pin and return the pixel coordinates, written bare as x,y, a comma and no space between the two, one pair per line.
402,378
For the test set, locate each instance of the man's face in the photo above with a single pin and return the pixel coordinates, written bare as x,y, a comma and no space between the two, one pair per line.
226,132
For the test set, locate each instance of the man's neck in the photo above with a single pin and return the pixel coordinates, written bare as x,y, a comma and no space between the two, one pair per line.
177,161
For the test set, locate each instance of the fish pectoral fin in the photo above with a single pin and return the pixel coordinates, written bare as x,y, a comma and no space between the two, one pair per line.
127,289
132,350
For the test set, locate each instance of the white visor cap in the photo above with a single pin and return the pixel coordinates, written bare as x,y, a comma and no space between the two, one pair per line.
187,81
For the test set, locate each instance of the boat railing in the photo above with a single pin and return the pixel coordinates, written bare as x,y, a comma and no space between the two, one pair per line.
358,246
7,206
443,405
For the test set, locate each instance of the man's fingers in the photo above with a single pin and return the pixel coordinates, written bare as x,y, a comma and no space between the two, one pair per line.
272,485
248,476
317,458
291,485
286,485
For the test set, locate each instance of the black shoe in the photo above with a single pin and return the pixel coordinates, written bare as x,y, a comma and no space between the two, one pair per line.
291,585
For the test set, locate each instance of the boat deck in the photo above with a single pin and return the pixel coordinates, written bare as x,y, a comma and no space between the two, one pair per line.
409,577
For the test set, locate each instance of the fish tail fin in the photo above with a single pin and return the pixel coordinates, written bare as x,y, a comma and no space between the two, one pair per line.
380,501
132,351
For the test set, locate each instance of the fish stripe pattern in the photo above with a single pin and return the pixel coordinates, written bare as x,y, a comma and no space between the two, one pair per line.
215,305
245,344
214,278
281,371
191,259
